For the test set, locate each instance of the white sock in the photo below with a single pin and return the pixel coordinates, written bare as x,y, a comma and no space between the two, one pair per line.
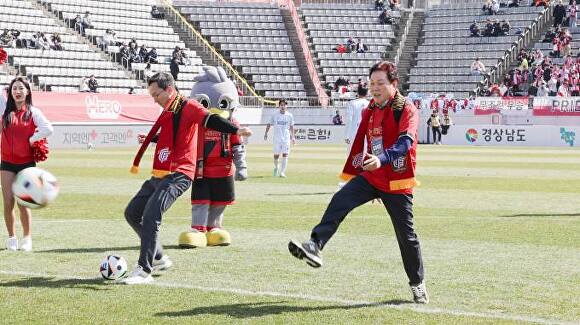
276,163
284,164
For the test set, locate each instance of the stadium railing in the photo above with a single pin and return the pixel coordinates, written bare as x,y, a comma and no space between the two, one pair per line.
323,98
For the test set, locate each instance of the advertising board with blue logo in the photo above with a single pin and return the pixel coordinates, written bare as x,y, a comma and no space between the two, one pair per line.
512,135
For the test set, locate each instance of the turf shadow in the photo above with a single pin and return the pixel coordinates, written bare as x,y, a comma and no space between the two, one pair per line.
91,249
542,215
260,309
95,284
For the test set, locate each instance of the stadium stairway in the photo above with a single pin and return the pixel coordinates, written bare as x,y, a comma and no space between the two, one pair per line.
300,59
409,54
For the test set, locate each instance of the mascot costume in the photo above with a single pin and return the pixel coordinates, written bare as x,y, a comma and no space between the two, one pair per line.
214,191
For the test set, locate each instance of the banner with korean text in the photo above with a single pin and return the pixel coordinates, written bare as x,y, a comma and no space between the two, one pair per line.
492,105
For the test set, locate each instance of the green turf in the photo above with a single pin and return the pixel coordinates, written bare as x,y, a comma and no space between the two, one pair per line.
500,230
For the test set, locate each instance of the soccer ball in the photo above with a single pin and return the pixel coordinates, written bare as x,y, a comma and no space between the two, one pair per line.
34,188
113,267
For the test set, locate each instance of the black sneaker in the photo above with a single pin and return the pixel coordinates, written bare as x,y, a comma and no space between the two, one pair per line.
307,251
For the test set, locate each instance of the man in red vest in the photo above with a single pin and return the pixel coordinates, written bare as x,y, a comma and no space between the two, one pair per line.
179,135
386,171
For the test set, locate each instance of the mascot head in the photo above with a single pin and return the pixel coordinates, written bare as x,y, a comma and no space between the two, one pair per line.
215,91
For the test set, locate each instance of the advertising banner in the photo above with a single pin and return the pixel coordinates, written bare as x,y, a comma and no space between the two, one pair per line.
492,105
557,106
94,107
517,135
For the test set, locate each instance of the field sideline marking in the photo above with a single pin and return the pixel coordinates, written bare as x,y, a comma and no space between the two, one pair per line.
411,307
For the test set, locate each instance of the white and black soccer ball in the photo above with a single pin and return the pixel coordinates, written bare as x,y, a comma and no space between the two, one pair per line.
113,267
35,188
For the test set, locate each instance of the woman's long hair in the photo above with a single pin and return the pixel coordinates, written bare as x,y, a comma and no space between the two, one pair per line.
11,104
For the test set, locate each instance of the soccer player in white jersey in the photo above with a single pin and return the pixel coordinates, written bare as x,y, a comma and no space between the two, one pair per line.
283,124
354,110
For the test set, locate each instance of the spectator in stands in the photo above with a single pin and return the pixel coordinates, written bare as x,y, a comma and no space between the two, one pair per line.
474,29
133,54
553,85
503,89
351,44
494,7
124,55
559,14
514,3
341,48
341,81
487,7
361,47
477,67
87,21
78,24
337,119
385,17
174,68
110,38
505,27
177,54
15,34
488,28
6,38
573,10
539,3
56,42
42,42
133,41
155,13
84,85
379,4
93,84
152,56
550,35
543,90
563,89
143,53
394,4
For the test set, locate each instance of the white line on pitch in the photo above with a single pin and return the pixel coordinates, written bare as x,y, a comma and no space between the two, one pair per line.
244,292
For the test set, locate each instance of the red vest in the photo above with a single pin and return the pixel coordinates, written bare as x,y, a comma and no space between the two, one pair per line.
399,176
16,147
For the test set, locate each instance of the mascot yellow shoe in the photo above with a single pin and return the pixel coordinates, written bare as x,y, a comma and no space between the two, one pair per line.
218,237
192,239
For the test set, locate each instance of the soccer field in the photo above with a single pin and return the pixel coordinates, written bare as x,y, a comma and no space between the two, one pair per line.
499,228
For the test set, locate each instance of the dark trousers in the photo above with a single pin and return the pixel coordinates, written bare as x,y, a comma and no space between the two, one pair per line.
359,191
436,134
145,210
